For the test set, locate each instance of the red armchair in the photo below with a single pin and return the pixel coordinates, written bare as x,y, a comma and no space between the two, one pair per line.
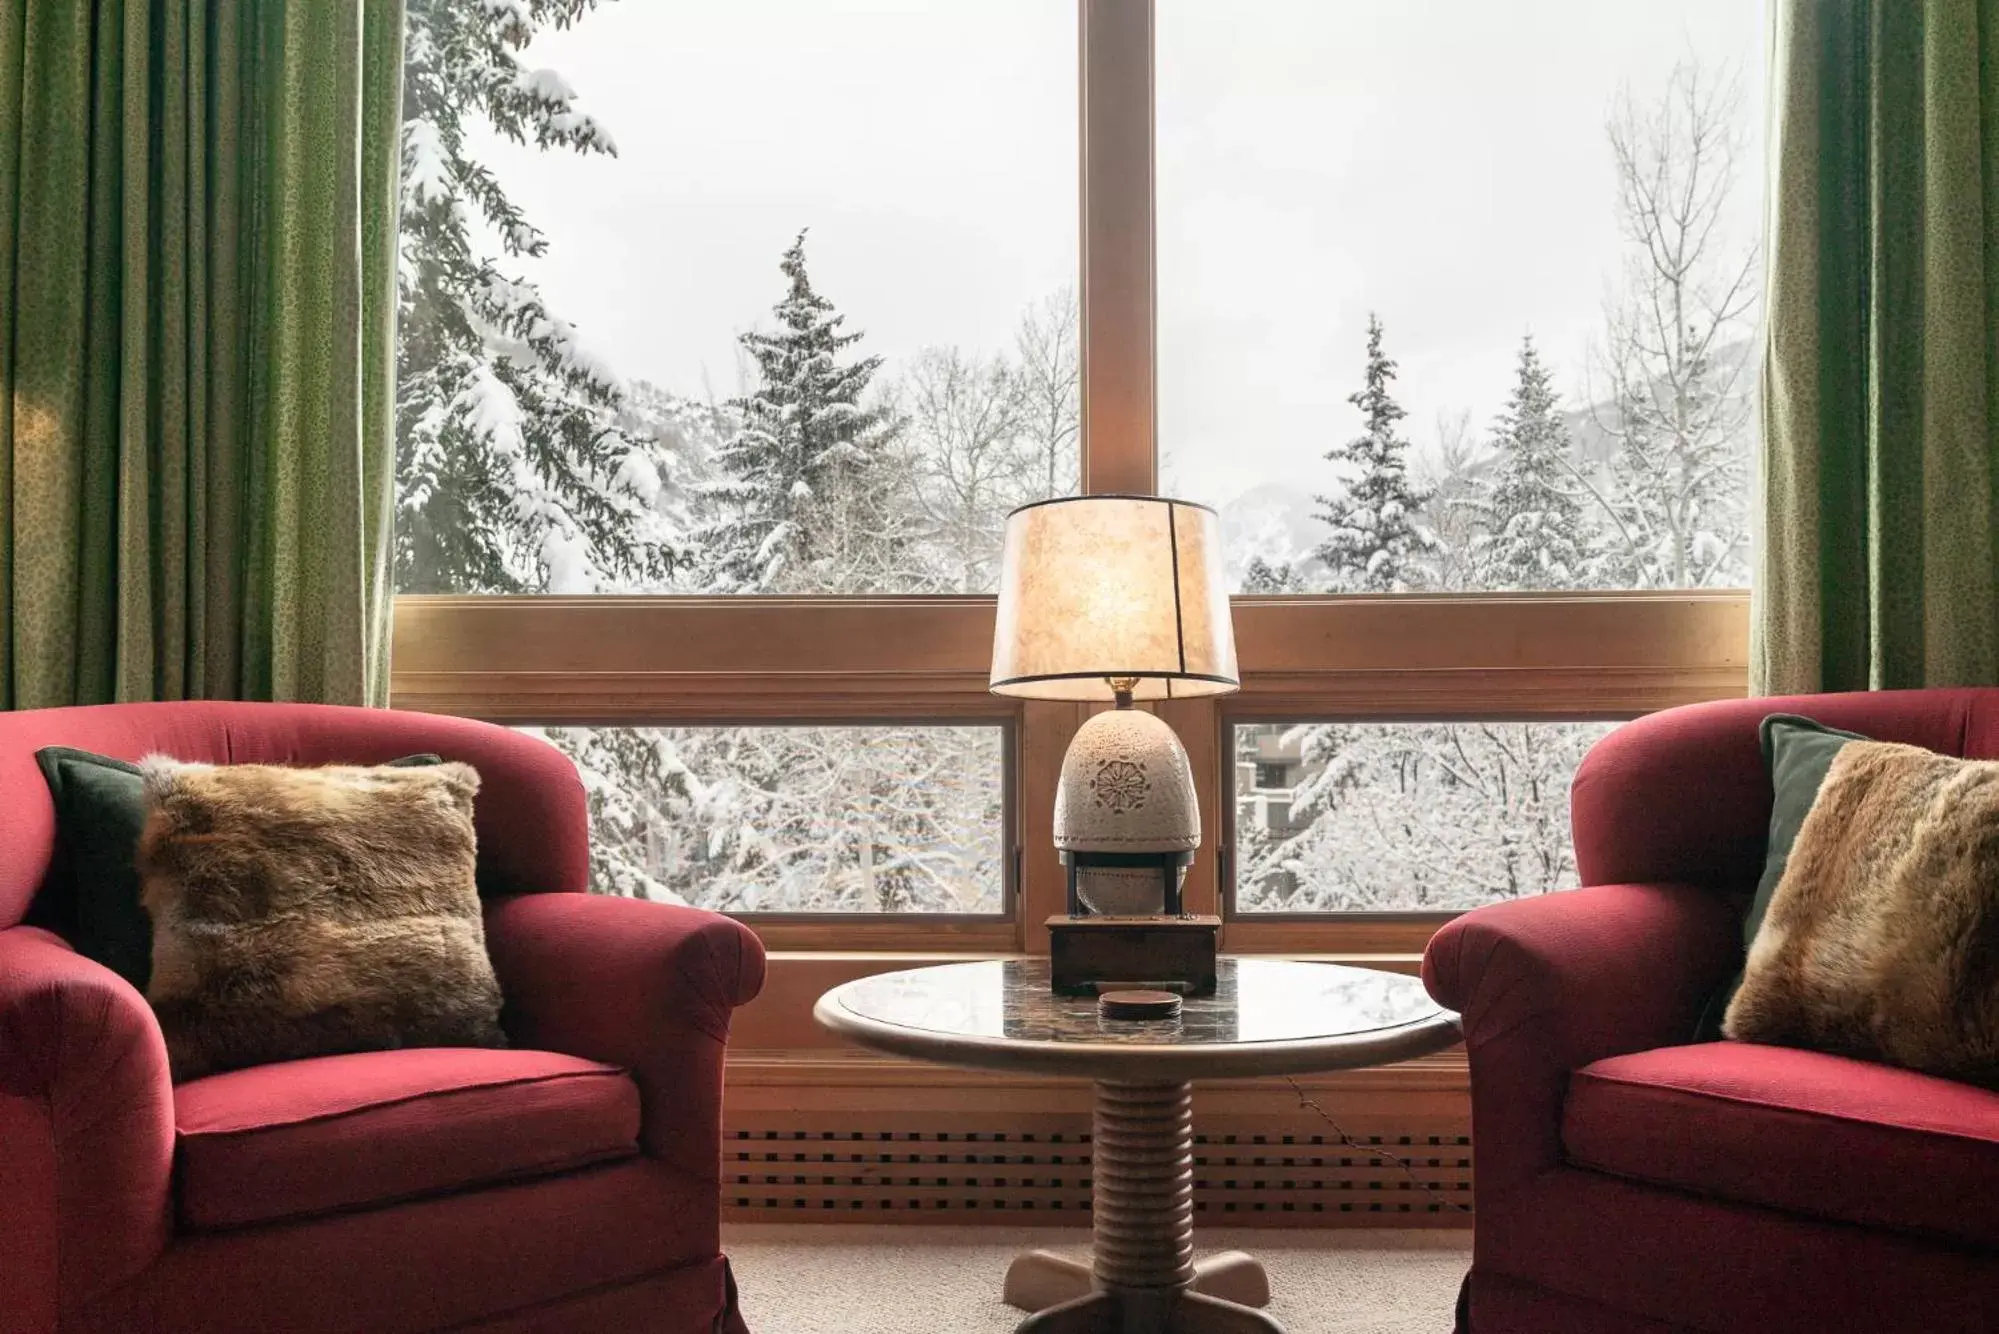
569,1183
1629,1180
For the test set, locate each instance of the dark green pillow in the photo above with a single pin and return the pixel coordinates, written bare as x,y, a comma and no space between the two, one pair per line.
90,896
91,893
1798,753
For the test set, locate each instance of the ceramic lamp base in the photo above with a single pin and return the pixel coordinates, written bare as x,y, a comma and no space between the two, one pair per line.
1127,791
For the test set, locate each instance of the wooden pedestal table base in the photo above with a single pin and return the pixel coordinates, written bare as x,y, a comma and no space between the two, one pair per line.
1142,1277
1266,1017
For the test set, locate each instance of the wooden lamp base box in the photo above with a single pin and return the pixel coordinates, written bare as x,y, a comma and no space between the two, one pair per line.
1172,953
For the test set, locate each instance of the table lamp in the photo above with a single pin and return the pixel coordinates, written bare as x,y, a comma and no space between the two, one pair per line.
1120,598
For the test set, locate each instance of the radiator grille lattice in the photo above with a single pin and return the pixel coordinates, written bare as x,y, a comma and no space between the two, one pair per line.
773,1170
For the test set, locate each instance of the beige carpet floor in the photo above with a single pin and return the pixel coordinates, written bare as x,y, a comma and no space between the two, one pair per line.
902,1279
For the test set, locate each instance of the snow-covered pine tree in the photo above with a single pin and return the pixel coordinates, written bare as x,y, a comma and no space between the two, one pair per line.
1374,536
1263,576
1456,478
806,502
513,471
1535,534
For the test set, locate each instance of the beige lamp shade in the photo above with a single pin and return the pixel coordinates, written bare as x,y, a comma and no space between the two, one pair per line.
1097,587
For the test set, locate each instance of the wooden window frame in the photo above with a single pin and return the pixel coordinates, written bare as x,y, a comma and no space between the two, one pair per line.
663,661
1502,657
687,660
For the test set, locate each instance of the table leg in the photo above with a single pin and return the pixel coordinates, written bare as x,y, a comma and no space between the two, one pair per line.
1142,1277
1142,1196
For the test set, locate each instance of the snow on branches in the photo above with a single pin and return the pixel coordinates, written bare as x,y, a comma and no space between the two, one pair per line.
516,471
527,463
1372,537
805,500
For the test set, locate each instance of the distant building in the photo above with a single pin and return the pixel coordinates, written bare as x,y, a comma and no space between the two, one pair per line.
1268,769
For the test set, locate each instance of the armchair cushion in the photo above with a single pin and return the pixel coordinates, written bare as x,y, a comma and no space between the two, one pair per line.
1799,1131
341,1132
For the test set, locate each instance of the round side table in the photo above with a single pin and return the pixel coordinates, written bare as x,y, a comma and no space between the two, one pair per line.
1267,1017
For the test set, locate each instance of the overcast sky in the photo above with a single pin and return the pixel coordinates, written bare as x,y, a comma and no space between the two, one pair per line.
1442,162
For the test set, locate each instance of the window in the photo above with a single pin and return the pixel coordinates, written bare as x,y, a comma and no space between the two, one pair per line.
1407,817
699,303
792,820
652,498
1272,773
1462,296
692,306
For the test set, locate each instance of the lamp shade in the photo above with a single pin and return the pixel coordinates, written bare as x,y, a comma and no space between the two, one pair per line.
1096,587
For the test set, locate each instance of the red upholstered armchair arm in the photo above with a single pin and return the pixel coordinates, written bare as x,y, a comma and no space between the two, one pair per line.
1550,984
644,985
86,1131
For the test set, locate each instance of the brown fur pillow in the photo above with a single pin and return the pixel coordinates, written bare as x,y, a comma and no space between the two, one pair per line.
1882,939
304,912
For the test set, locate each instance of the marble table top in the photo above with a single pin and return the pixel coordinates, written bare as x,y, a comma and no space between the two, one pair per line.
1267,1016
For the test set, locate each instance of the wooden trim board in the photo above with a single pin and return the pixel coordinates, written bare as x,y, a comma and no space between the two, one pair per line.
606,659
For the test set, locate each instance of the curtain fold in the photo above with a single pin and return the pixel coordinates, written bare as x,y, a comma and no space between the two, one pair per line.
197,293
1878,560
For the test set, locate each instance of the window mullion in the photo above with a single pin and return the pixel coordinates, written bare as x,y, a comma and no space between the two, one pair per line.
1119,372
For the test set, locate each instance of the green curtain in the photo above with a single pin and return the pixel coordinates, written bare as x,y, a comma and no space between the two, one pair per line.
1878,560
197,298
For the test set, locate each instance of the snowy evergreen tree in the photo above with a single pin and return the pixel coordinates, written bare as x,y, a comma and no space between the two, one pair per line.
1374,537
806,502
1456,479
513,470
1263,576
1535,535
523,463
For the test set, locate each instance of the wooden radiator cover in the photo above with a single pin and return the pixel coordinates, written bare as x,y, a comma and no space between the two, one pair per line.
847,1138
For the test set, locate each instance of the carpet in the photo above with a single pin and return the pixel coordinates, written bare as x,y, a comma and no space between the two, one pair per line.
903,1279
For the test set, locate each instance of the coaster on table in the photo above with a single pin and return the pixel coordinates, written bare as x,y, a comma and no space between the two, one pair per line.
1138,1004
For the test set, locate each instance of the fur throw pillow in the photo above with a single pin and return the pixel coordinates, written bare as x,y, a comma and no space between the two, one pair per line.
1882,939
305,912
